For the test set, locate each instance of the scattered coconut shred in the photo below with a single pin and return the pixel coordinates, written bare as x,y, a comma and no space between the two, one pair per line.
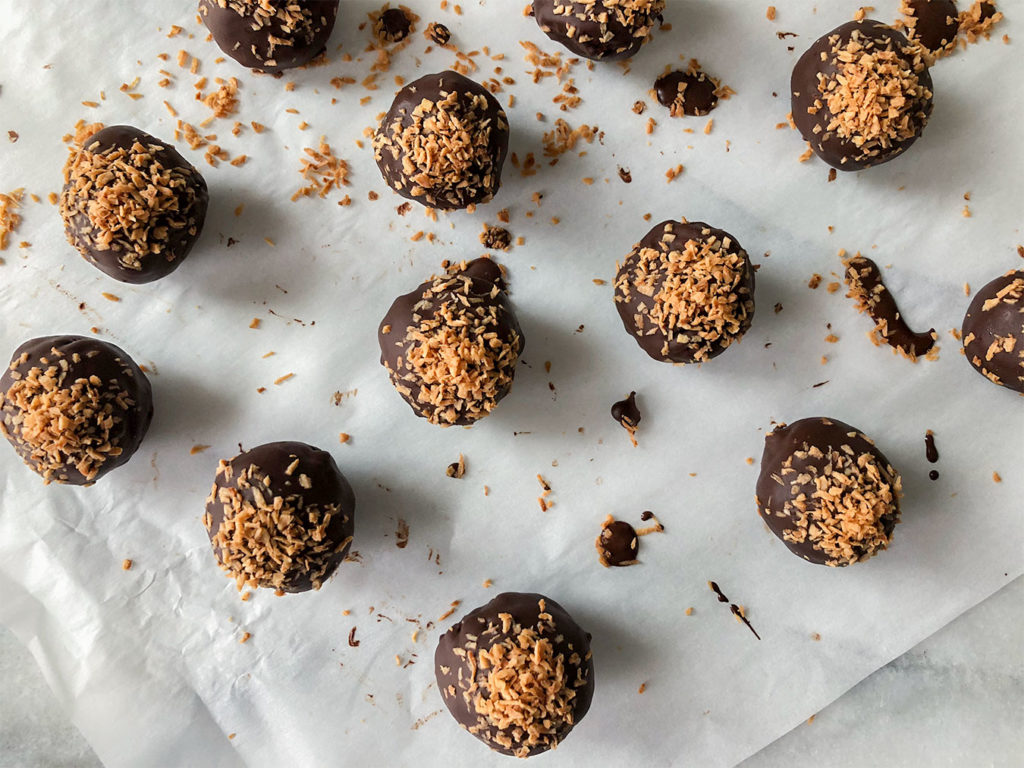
977,21
323,171
564,138
9,217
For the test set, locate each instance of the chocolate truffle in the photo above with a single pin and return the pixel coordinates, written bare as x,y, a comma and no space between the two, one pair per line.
827,491
686,292
132,206
270,35
603,30
280,516
932,23
993,331
74,407
443,142
861,95
451,346
516,673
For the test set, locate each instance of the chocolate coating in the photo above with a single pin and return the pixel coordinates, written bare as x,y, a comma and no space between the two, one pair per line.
443,142
603,30
532,638
686,292
993,331
687,93
280,516
932,23
827,492
451,346
74,407
131,205
294,35
869,128
617,544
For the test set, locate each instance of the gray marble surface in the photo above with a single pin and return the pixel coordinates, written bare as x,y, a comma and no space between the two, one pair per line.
957,699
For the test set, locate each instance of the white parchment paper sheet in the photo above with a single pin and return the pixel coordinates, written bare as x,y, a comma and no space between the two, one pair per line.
148,661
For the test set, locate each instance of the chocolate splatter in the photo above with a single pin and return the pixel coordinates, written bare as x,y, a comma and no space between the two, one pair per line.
933,475
628,415
617,544
457,468
496,238
352,638
736,610
687,93
438,33
867,288
393,26
930,451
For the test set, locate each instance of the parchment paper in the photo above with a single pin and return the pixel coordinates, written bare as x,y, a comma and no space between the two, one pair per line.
148,661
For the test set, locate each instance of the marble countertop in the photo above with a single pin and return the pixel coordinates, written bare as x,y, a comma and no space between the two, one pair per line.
956,699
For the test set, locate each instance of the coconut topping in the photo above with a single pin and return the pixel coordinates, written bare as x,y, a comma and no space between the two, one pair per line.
443,148
845,503
521,685
127,200
459,356
269,539
875,97
63,421
697,288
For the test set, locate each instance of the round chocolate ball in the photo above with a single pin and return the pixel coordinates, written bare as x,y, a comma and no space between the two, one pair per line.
443,142
603,30
516,673
993,331
451,346
74,407
685,292
280,516
132,206
861,95
827,491
270,35
932,23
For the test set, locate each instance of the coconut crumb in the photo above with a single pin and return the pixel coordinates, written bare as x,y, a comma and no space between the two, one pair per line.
9,217
322,170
